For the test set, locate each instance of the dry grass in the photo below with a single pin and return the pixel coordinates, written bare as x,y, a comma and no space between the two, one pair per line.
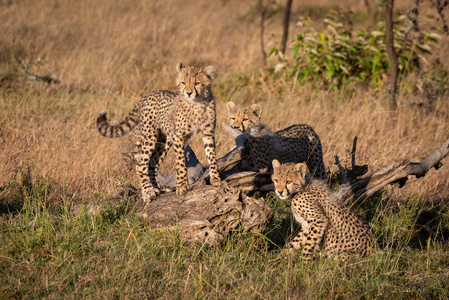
108,54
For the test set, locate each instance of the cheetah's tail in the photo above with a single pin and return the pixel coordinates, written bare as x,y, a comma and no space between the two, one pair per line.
119,130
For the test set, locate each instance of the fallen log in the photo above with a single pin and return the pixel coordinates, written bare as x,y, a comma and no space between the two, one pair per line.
395,173
207,214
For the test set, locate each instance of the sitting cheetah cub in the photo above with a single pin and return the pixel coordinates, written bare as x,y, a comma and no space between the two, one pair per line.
165,118
297,143
326,222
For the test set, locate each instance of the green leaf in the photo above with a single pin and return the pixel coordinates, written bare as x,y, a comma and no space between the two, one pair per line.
344,69
272,52
322,37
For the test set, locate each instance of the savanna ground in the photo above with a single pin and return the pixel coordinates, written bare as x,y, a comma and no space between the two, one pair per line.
106,54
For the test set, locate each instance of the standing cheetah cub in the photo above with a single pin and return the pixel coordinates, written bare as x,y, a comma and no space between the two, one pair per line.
297,143
326,222
165,118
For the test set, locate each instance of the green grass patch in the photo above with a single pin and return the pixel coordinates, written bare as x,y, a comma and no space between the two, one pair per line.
48,251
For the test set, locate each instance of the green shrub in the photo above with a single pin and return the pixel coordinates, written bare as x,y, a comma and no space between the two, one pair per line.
339,54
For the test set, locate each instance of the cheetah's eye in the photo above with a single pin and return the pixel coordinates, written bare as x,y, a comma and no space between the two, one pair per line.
275,181
232,119
197,83
288,182
183,83
245,119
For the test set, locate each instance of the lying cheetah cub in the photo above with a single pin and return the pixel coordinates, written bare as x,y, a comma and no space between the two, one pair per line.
165,118
297,143
326,222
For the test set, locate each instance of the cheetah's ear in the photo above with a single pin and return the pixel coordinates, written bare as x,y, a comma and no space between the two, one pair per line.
256,109
209,71
231,106
179,67
276,164
301,168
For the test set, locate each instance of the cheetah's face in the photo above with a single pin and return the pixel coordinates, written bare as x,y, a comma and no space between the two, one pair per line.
288,178
194,82
244,117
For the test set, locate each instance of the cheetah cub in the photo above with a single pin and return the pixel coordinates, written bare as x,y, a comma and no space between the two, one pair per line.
297,143
163,119
326,222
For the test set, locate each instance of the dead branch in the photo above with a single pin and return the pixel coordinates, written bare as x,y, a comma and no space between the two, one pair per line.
262,11
285,25
207,214
350,191
344,177
354,148
395,173
350,174
391,87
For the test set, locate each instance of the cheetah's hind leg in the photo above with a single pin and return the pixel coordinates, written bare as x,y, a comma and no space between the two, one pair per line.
148,159
296,242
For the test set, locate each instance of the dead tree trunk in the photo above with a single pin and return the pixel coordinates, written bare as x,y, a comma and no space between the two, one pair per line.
285,25
391,88
395,173
207,214
262,11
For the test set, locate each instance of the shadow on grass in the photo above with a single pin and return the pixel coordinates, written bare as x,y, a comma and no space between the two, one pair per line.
432,224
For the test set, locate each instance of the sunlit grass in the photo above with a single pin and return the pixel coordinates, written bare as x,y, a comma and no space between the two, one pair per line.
106,55
48,250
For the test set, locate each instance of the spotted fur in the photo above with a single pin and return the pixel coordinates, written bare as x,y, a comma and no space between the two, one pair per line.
163,119
327,224
297,143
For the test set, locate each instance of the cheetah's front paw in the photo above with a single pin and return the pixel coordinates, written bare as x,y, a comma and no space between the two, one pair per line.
216,181
150,194
182,189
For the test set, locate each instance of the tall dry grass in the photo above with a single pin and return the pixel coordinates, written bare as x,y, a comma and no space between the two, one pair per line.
107,54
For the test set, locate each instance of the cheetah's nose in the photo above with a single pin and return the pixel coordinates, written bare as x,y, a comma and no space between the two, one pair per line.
189,93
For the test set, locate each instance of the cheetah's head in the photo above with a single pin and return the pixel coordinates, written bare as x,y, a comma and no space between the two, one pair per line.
194,82
289,178
244,117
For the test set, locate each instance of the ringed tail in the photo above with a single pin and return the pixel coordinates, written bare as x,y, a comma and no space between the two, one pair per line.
119,130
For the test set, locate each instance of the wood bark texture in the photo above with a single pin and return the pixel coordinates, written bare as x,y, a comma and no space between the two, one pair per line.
395,173
207,214
391,87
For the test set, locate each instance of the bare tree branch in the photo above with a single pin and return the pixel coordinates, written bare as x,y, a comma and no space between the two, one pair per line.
262,11
391,88
354,148
285,25
344,177
395,173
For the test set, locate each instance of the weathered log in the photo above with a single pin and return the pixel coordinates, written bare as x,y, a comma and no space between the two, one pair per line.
206,214
395,173
349,192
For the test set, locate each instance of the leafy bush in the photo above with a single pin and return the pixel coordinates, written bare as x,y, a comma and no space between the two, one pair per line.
338,54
